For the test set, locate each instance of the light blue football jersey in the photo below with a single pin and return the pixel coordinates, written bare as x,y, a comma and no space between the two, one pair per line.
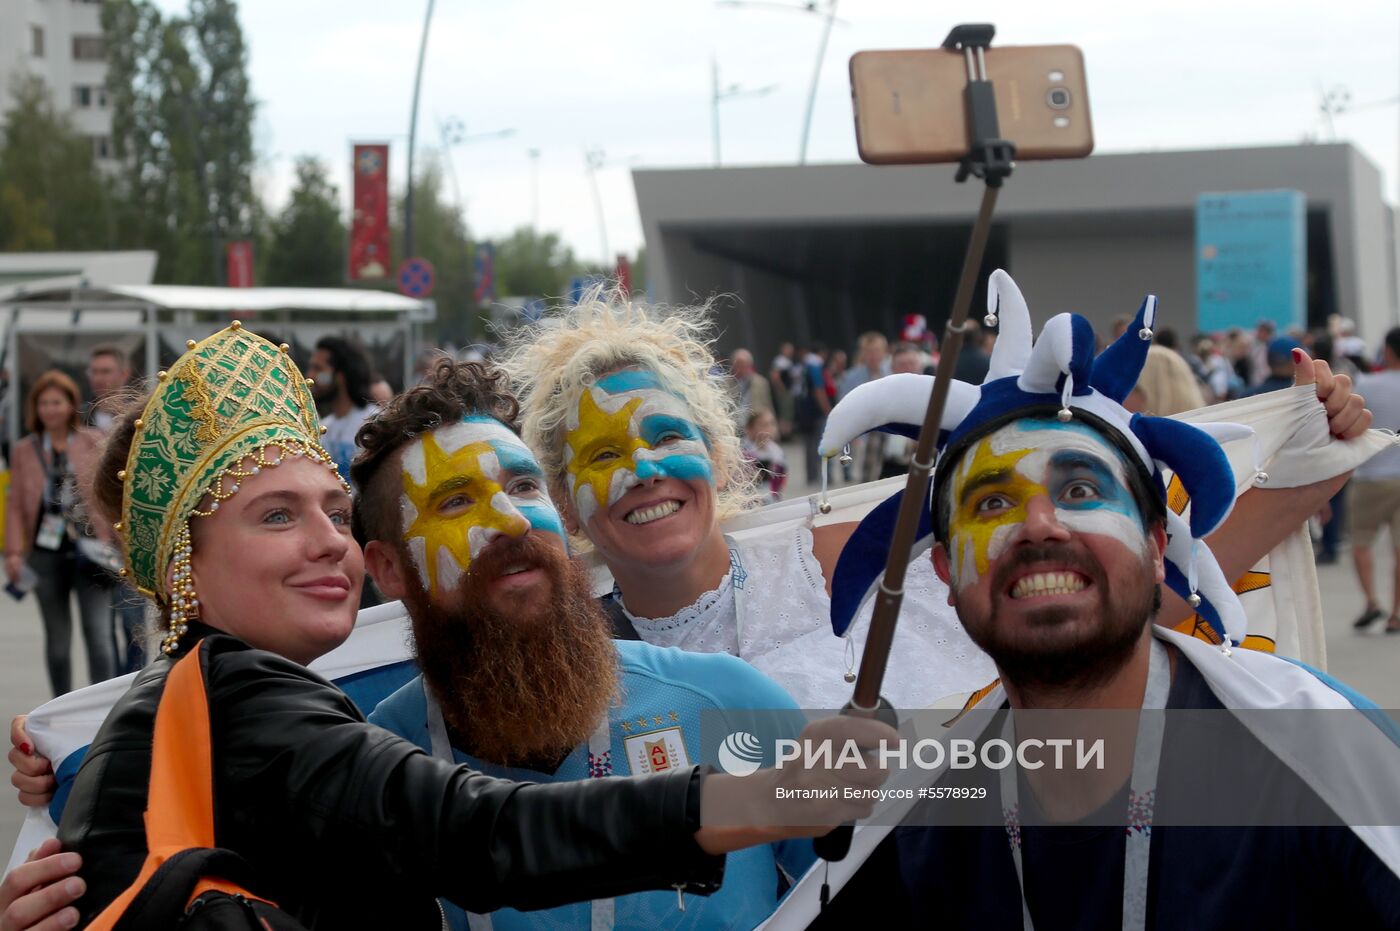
655,728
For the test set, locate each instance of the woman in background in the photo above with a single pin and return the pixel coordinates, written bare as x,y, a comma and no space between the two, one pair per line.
42,530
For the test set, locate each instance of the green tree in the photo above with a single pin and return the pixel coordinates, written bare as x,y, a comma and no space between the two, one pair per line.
182,131
534,264
52,195
307,242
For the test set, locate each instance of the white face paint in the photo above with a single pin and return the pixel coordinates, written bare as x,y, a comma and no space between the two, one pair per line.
464,485
628,429
1070,463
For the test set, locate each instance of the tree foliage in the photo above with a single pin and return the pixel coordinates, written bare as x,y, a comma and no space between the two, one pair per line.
51,193
534,264
306,247
182,132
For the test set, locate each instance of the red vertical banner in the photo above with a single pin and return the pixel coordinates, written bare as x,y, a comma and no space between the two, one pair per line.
239,255
369,220
623,275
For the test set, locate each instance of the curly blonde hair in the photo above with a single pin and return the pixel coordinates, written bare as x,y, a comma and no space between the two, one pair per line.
551,363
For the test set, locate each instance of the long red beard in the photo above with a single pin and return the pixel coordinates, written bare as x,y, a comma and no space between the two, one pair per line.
523,688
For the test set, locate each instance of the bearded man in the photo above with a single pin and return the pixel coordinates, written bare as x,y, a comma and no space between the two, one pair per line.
1055,532
520,677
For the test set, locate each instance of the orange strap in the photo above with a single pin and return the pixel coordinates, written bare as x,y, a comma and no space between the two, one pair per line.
180,803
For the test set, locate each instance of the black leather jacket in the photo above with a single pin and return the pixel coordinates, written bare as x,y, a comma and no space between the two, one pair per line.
348,826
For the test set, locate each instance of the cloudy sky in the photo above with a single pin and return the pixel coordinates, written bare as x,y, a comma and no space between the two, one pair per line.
633,79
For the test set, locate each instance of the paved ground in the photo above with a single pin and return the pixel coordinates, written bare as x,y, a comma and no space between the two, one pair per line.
1368,662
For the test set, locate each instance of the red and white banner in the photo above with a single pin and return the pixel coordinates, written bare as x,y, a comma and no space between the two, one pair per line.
239,255
369,219
622,274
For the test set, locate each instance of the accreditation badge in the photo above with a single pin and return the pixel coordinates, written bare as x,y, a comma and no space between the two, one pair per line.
50,536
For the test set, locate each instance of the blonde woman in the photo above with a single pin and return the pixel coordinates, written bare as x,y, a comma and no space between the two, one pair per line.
635,433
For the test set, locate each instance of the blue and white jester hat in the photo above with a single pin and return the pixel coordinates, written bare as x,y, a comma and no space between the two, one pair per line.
1058,372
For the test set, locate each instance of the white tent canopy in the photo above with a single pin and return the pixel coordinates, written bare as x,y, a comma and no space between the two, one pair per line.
68,312
217,300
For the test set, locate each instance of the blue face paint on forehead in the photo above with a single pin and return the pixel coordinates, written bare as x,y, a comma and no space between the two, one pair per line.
517,459
634,379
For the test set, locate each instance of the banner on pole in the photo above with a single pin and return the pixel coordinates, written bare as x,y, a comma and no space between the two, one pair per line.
485,272
239,255
369,220
623,275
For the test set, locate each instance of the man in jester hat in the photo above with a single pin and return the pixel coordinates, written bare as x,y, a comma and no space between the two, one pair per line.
1052,525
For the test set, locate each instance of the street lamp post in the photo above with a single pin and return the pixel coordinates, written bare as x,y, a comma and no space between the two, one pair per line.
732,92
594,158
453,134
810,6
413,134
816,74
534,189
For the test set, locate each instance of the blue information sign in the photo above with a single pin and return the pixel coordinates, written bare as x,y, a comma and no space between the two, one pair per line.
1251,259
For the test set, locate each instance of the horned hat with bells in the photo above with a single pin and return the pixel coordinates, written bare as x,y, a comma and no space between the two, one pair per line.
1057,373
231,406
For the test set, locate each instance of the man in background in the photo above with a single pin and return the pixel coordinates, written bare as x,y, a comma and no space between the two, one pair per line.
108,372
340,372
1375,488
751,392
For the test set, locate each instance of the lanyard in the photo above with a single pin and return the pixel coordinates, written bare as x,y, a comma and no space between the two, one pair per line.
599,766
53,491
1147,753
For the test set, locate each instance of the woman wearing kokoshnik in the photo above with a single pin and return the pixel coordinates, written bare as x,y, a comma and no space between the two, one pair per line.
622,407
237,525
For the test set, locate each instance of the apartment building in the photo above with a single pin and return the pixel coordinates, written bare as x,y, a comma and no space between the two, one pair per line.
61,42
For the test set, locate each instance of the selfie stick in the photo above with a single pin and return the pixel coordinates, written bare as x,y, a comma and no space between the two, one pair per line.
989,158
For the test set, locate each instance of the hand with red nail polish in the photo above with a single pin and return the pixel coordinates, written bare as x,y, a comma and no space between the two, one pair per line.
33,775
1347,416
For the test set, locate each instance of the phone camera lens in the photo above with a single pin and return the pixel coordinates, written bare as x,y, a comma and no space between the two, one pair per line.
1058,98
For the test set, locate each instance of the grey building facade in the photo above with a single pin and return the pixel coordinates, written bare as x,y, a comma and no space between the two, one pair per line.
824,252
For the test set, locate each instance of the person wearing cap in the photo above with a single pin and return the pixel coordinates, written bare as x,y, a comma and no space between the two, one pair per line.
1055,535
1280,357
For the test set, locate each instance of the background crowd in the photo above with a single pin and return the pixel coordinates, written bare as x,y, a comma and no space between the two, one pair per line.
58,552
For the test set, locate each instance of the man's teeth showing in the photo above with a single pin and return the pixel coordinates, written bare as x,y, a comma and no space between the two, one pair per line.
655,512
1048,583
516,569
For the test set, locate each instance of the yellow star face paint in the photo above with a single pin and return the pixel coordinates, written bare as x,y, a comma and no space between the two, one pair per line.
628,429
1070,464
464,485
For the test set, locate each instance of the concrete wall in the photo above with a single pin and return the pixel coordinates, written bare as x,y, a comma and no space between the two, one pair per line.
1091,235
1369,269
1106,275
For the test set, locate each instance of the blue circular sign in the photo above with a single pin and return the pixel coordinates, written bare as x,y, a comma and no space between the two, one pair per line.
416,277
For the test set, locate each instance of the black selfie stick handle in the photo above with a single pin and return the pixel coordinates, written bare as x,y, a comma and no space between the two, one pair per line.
835,844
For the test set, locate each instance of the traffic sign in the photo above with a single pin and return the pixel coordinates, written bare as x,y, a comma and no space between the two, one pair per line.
416,277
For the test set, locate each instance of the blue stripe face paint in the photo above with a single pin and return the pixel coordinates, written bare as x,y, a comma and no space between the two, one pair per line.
464,485
1071,464
628,429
